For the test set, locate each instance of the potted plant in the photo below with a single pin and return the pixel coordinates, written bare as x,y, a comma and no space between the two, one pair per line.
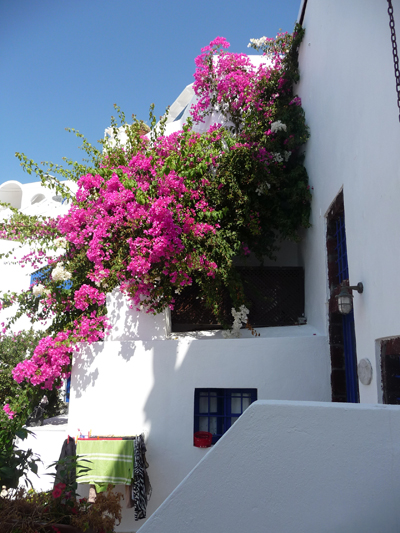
60,510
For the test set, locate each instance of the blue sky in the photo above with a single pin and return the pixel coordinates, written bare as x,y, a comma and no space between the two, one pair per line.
65,63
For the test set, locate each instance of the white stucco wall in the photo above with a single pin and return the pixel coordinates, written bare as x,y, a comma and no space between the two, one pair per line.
11,193
294,467
130,324
46,441
348,92
148,386
15,278
33,198
30,199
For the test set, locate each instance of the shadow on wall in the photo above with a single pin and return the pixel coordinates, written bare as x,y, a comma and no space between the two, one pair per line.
279,368
138,381
82,362
294,467
128,324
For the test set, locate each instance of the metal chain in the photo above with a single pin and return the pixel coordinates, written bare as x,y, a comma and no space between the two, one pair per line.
395,54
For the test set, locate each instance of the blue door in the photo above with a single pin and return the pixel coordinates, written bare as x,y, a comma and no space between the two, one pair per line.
349,336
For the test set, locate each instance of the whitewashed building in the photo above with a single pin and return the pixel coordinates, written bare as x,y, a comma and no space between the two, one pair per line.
153,376
30,199
312,467
294,461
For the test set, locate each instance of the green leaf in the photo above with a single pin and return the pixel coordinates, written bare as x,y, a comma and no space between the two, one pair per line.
34,467
22,434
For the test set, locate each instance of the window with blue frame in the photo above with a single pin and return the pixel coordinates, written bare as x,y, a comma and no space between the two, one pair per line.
216,410
40,275
67,389
43,274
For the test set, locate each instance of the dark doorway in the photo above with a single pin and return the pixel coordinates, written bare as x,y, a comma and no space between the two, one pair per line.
342,340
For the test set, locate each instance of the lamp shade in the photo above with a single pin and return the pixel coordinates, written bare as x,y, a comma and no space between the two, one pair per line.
345,301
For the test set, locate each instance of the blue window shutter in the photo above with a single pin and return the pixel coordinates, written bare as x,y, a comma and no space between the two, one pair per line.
43,274
40,275
34,277
215,410
67,389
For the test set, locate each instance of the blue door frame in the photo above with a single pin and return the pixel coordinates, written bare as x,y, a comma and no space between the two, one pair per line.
349,336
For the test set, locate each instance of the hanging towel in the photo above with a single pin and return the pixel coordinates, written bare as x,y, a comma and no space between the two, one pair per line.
111,462
141,488
65,470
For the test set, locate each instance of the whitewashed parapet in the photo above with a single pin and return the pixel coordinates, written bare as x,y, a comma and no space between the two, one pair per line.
128,324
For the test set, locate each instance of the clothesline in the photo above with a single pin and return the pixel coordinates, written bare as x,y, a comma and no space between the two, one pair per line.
100,437
116,460
119,460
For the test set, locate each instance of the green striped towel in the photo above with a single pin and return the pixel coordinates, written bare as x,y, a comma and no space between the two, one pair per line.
112,461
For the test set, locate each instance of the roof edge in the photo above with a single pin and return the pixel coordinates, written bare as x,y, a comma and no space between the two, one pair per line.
302,11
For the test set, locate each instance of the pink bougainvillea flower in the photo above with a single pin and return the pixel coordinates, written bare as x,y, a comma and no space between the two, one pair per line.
58,490
8,411
155,217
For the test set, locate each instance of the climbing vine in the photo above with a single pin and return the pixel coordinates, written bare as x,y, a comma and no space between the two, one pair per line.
155,213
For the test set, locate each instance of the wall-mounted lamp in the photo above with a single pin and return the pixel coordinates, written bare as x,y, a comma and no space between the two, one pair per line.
345,298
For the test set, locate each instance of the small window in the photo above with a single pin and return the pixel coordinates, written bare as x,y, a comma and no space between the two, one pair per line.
216,410
43,274
40,275
180,114
275,297
390,369
37,198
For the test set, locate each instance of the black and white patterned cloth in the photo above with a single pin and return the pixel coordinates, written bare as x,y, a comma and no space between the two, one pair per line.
141,488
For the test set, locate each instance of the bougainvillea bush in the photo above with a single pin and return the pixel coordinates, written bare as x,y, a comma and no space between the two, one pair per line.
158,212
